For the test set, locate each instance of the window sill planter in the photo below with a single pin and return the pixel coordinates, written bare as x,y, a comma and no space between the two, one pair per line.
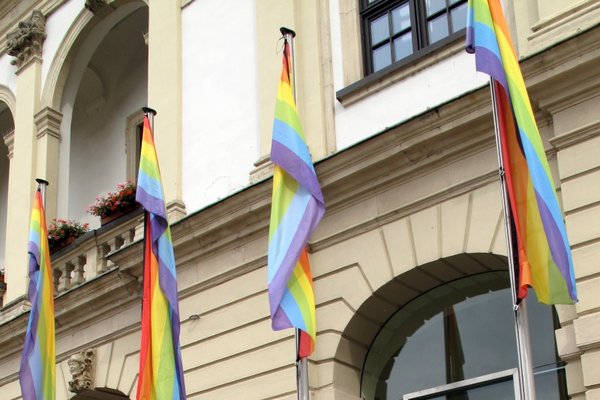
105,219
62,244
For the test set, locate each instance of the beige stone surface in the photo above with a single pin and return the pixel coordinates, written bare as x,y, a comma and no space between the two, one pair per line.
581,191
590,363
587,330
585,259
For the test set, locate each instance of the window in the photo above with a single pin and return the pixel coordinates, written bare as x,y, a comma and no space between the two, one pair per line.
135,126
457,342
395,30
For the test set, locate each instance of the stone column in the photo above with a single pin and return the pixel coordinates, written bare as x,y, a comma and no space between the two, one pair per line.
164,95
573,100
314,77
25,44
48,142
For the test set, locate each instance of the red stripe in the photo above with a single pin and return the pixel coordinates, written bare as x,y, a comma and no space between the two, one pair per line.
517,181
144,389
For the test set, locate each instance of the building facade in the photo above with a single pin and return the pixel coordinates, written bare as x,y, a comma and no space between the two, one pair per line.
409,262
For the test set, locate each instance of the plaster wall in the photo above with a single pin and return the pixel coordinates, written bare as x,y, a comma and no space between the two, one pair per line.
220,108
8,77
414,95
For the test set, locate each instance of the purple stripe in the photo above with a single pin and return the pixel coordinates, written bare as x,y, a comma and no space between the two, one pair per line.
312,215
470,42
280,320
297,169
487,61
152,204
558,248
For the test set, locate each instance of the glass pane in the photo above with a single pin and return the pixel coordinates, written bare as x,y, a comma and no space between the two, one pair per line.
434,6
379,30
438,28
401,18
459,18
550,384
497,391
403,46
382,57
456,1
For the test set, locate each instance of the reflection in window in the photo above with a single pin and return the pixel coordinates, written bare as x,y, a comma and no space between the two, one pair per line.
394,29
459,331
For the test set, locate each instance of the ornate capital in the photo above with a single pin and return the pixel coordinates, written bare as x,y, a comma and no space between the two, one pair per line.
81,367
27,40
95,5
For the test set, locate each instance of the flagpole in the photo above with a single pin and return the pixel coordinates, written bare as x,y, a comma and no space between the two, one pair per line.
526,383
301,363
42,184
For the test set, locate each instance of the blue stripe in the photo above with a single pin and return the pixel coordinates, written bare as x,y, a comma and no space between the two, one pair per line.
288,137
292,311
286,231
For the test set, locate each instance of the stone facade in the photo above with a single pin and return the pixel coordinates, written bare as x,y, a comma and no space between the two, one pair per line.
409,209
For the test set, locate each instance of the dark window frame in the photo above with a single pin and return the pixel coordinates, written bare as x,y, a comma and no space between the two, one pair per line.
419,30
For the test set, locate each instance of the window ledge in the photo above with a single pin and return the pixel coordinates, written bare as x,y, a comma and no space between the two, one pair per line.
400,70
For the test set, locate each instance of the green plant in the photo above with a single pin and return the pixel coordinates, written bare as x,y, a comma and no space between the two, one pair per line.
61,229
121,200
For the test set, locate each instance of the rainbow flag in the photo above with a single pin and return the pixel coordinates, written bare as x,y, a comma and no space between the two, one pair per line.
297,207
37,374
543,250
161,372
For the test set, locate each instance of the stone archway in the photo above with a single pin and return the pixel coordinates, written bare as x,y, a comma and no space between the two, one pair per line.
79,87
100,394
7,127
368,319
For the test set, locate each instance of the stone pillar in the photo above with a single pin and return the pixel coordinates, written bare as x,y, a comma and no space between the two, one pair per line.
48,142
25,44
164,95
573,100
314,77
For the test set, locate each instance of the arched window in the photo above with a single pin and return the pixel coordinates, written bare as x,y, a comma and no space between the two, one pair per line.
462,332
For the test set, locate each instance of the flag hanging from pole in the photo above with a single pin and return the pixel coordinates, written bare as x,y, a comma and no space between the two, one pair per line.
161,372
543,250
297,207
37,374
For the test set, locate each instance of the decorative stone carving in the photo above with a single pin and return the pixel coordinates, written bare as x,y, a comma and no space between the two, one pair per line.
81,366
95,5
27,40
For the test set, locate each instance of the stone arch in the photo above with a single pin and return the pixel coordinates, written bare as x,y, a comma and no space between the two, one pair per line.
68,70
385,264
368,319
78,45
8,98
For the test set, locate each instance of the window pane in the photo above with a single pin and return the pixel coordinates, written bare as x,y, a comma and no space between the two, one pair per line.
379,30
400,18
459,18
438,28
434,6
382,57
403,46
497,391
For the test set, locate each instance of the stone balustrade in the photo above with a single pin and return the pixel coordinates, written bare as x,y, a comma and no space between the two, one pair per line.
86,257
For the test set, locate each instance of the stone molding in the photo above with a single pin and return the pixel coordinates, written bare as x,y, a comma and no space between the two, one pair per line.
27,40
48,123
9,141
95,5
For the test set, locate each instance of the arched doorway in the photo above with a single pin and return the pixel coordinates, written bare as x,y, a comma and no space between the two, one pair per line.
457,342
104,91
7,127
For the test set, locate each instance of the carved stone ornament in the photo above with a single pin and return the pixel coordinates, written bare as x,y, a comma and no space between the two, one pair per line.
81,367
95,5
27,40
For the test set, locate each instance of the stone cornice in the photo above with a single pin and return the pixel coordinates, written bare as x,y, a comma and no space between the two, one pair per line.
576,136
26,41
